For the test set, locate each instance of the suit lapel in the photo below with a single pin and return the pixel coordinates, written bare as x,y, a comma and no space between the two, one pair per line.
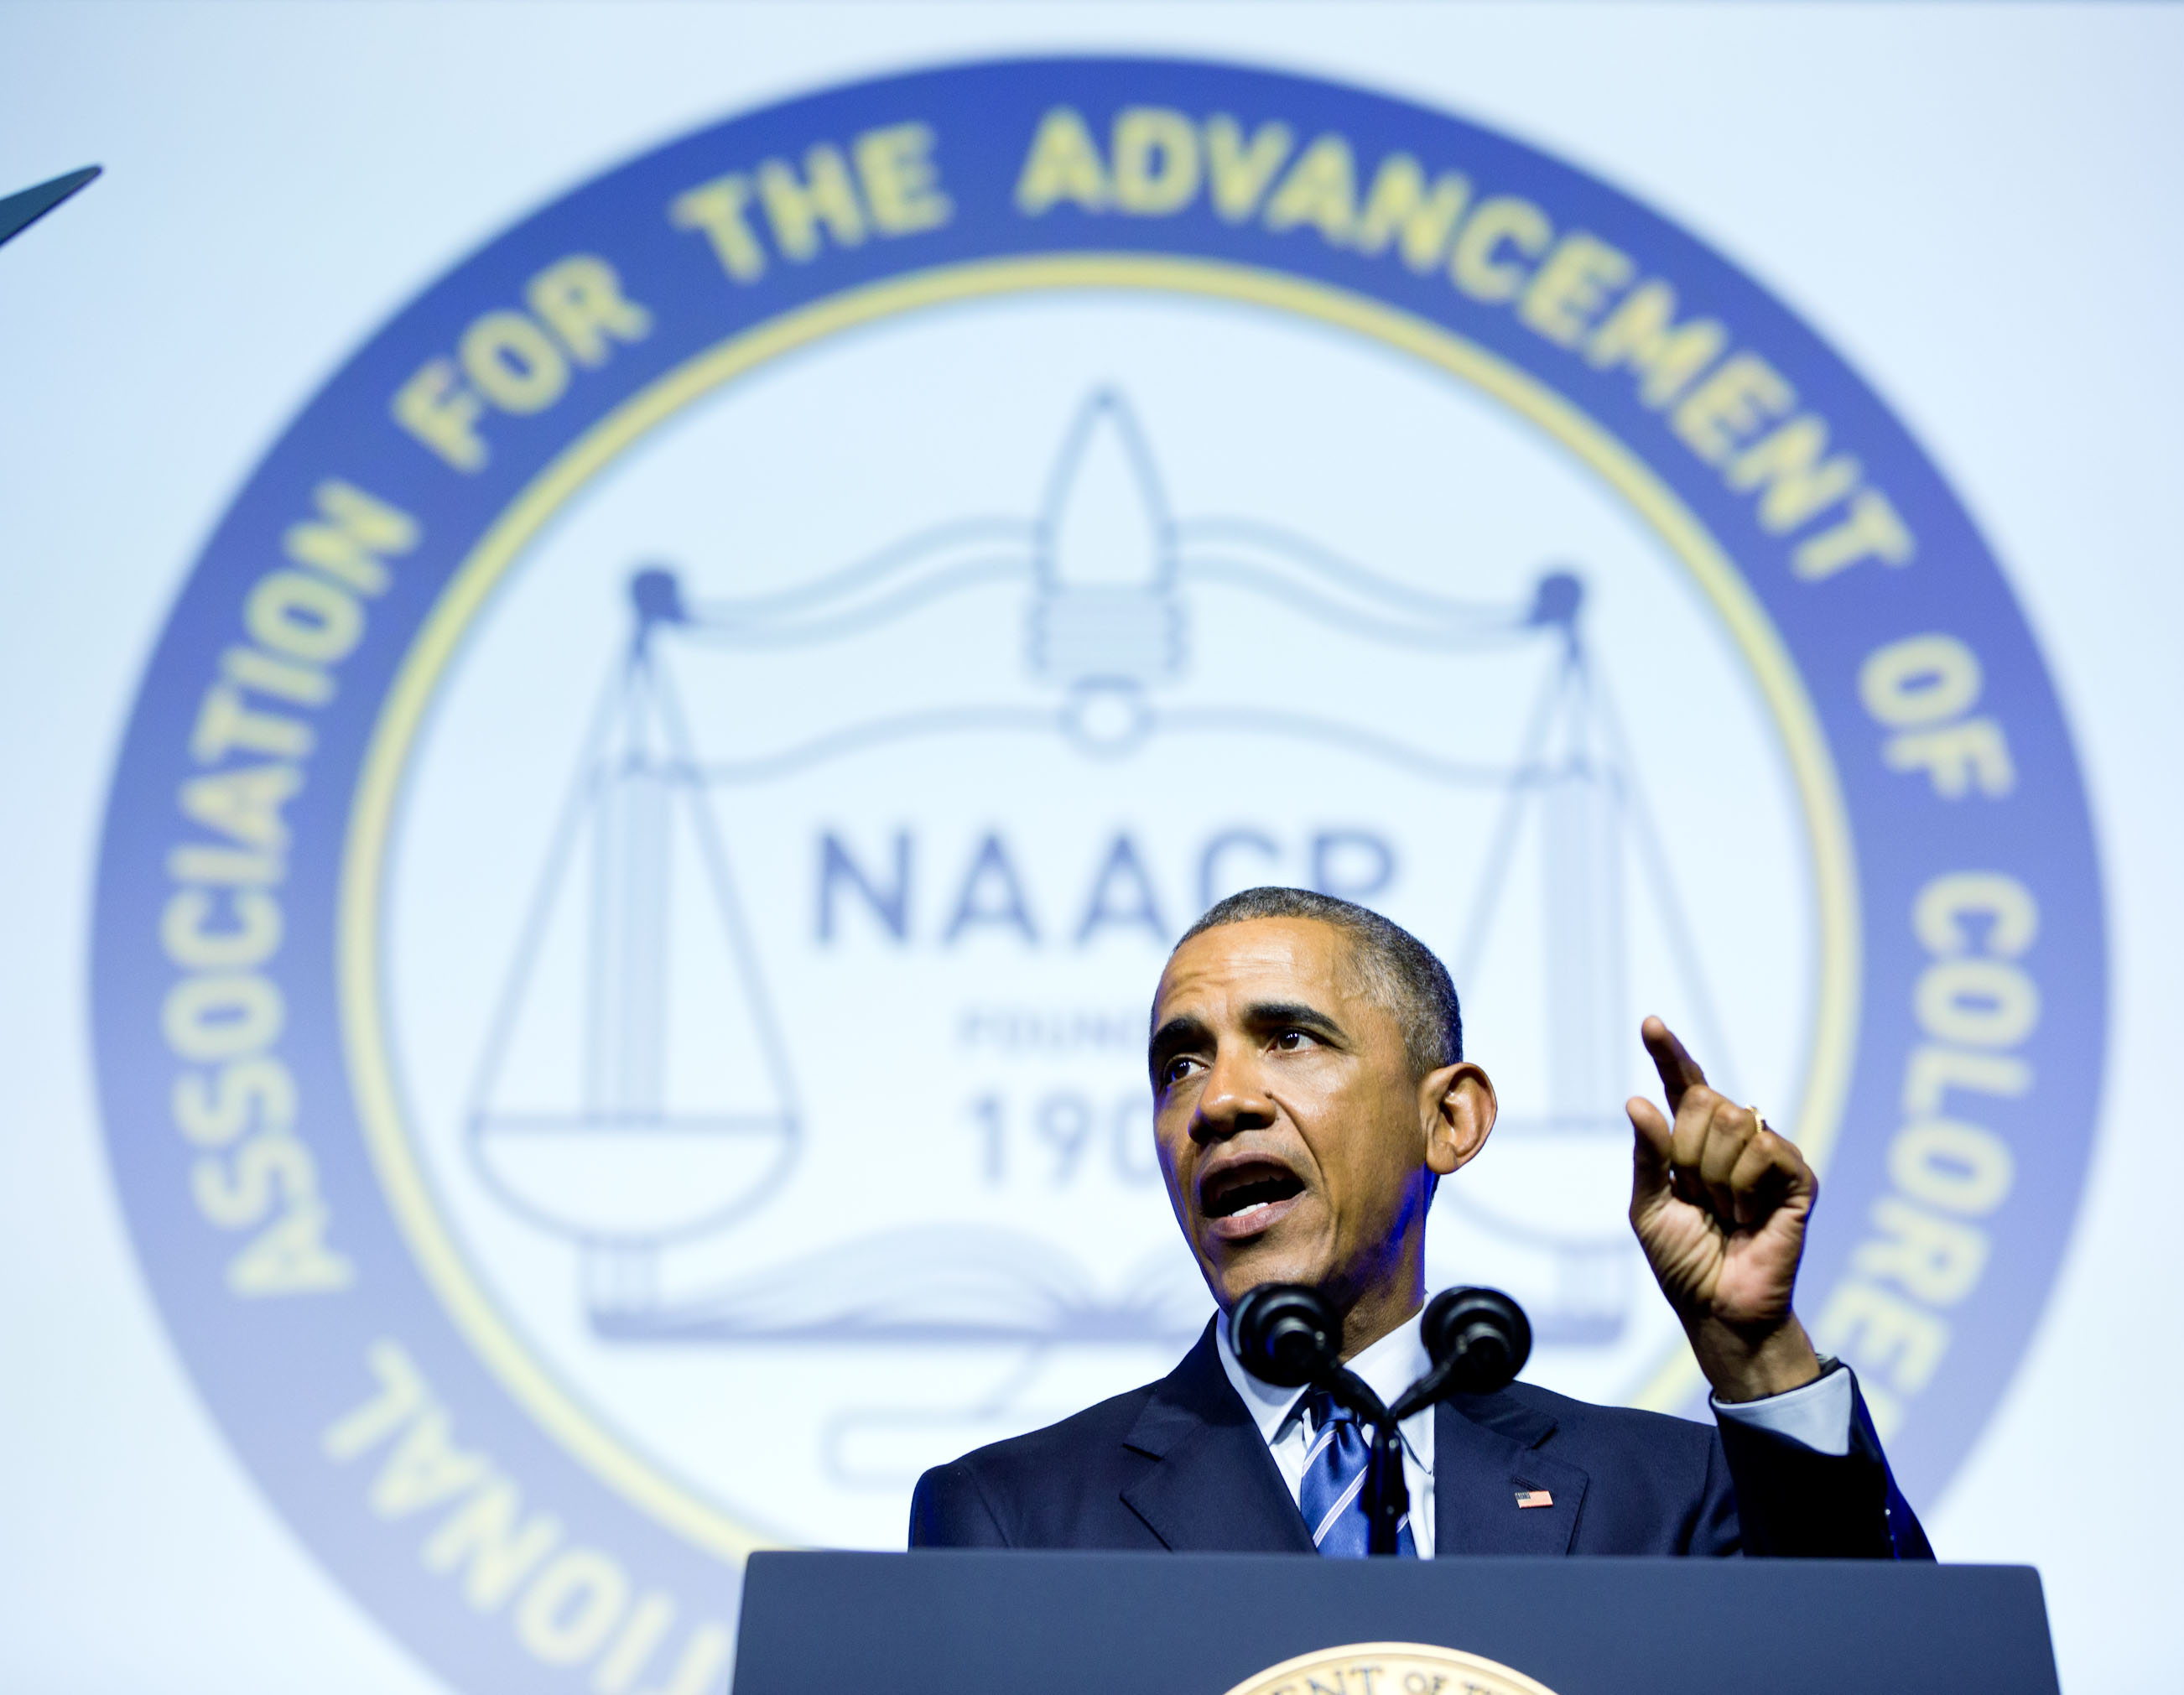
1215,1489
1485,1454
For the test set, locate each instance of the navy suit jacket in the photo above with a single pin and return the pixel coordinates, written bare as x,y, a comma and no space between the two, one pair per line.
1180,1464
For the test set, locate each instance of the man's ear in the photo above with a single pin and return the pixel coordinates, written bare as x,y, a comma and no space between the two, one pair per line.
1458,1105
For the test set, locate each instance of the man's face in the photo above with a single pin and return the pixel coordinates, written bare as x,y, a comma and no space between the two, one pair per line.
1294,1136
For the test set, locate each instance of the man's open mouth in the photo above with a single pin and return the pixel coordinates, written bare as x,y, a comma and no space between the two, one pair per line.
1241,1199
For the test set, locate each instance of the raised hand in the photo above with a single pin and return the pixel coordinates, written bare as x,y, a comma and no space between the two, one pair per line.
1720,1203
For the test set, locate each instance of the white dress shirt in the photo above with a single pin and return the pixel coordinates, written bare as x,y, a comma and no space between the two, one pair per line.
1816,1416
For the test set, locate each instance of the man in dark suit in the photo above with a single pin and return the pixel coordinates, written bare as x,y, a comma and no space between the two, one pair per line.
1310,1092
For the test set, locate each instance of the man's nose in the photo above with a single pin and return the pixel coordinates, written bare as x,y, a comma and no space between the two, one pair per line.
1232,1100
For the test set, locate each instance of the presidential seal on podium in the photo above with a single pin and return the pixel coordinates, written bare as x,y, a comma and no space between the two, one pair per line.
1390,1668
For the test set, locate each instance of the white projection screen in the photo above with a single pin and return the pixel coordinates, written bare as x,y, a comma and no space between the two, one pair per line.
629,630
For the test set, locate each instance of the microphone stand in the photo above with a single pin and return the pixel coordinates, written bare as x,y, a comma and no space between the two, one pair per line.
1386,1497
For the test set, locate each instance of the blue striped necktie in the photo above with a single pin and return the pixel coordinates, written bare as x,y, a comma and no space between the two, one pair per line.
1332,1494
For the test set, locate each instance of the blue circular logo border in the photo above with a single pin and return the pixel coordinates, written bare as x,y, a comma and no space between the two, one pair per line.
291,1377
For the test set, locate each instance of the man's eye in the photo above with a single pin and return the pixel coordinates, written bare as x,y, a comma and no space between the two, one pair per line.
1173,1072
1291,1042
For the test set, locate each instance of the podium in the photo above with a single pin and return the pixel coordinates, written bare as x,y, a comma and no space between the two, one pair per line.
1128,1624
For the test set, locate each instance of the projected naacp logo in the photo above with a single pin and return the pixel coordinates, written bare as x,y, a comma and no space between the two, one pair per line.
631,892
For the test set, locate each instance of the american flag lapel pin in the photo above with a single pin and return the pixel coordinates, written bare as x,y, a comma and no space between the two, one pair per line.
1534,1497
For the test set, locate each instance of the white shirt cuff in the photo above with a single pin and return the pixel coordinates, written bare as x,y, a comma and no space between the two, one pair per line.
1815,1415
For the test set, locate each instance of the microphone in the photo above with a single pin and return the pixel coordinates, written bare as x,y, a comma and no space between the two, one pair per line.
1290,1335
1479,1340
1286,1334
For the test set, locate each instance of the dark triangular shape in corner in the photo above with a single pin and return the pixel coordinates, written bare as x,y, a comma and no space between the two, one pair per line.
18,212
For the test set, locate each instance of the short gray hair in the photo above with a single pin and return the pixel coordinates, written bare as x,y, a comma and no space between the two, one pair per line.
1398,971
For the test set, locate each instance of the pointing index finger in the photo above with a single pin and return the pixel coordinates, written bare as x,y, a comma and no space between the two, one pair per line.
1679,1070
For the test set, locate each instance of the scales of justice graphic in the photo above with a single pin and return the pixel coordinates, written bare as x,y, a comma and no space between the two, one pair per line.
1107,575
